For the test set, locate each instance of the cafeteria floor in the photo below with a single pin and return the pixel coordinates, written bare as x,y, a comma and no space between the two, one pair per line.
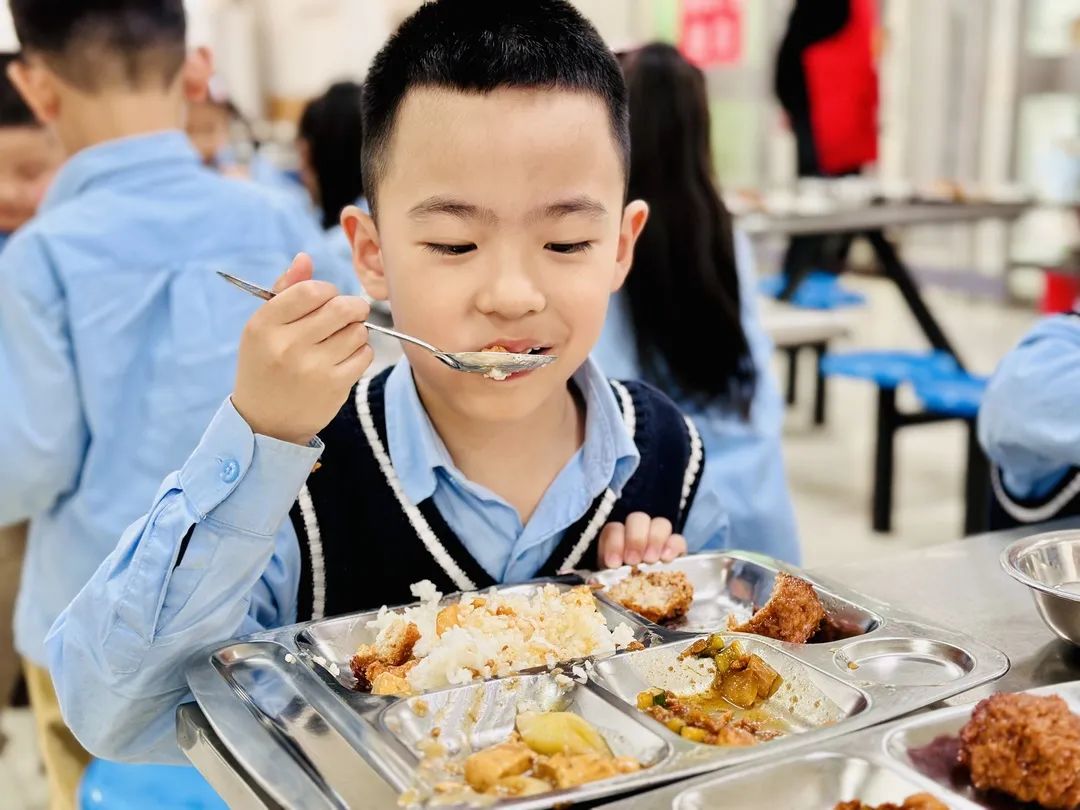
829,468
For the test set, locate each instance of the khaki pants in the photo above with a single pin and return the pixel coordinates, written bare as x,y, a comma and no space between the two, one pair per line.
12,550
65,760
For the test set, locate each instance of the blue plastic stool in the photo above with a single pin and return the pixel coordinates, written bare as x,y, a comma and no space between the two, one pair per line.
959,395
936,371
890,369
956,395
119,786
817,290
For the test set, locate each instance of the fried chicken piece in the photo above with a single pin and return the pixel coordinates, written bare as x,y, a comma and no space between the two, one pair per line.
486,768
395,646
659,596
391,652
570,770
1026,746
793,612
387,680
365,656
920,801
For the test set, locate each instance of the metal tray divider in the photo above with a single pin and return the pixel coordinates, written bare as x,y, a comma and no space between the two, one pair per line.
231,717
385,754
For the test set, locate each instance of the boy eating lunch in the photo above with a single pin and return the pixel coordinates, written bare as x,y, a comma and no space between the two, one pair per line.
495,159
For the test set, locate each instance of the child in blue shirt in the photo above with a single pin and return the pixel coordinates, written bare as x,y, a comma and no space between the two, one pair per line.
329,141
495,159
693,286
1029,428
29,157
117,338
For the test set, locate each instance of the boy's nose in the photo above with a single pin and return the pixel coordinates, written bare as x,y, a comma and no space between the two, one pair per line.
510,292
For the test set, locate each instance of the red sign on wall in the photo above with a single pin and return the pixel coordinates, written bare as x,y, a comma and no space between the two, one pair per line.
710,32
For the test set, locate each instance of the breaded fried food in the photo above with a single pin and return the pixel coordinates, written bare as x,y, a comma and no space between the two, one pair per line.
389,659
920,801
793,612
1026,746
389,680
395,647
659,596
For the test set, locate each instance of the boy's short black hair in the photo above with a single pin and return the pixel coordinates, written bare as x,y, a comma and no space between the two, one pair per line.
94,44
13,110
479,46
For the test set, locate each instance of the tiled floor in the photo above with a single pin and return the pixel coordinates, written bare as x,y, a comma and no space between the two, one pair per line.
829,469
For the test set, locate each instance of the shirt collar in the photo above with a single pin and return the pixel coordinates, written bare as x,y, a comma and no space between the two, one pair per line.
118,156
609,456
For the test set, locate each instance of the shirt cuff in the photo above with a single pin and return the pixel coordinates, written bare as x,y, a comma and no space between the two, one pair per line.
242,479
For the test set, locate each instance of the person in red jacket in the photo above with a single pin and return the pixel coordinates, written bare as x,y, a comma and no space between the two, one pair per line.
826,81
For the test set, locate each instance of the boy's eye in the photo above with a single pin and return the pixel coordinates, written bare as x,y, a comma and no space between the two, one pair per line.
568,247
449,250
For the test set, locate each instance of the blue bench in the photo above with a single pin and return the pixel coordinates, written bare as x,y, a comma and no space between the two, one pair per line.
817,290
120,786
944,390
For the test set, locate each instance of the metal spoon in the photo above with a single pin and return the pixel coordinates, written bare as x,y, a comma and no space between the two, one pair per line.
497,365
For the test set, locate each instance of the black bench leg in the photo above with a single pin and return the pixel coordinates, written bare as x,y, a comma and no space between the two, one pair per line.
976,485
887,423
819,385
792,374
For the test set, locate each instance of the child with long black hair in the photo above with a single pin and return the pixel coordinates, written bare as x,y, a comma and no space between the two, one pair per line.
686,319
330,140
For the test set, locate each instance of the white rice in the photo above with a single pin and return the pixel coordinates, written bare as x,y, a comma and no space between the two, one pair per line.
540,629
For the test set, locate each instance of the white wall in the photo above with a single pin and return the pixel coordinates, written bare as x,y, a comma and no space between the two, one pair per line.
8,40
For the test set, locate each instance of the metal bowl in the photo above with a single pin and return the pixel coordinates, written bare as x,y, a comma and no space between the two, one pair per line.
1049,564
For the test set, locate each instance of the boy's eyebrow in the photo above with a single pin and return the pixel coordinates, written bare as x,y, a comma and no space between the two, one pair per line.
451,207
582,204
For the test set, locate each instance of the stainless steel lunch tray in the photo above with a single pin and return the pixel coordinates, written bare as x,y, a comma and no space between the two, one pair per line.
283,703
876,766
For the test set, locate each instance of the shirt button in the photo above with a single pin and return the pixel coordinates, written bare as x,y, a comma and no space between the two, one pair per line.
230,471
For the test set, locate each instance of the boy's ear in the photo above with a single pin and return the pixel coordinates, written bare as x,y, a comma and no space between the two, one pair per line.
635,215
195,74
38,87
366,251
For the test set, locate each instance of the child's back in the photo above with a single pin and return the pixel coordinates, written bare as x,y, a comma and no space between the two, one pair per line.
117,338
122,340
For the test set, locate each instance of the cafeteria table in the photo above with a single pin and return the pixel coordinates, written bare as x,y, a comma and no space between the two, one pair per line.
959,584
870,222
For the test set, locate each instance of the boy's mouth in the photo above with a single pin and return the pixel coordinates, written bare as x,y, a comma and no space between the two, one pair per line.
517,347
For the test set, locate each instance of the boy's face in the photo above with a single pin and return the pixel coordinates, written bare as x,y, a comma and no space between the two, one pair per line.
29,157
500,222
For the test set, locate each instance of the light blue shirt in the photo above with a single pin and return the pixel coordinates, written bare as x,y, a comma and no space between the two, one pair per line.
117,654
1029,421
744,464
117,343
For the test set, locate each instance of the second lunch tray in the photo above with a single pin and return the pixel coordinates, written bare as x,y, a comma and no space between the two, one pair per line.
284,703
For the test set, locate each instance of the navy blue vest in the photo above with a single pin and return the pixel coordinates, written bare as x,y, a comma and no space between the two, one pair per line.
362,543
1007,512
